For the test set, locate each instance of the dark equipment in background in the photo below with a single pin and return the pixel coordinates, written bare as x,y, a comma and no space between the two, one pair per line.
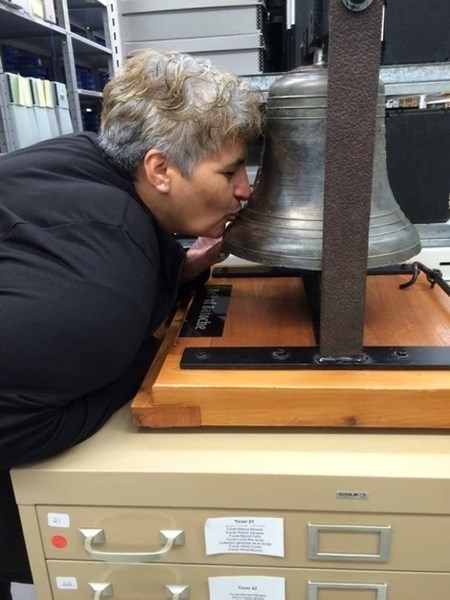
418,140
418,151
414,31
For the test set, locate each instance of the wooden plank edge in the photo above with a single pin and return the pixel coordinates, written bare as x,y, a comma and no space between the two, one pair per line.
142,403
378,410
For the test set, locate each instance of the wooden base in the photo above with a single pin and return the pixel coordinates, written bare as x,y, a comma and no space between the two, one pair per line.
274,312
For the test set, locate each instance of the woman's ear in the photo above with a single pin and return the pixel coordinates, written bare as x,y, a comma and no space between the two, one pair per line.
156,170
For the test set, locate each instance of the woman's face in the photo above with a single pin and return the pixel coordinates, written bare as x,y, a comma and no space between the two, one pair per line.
204,202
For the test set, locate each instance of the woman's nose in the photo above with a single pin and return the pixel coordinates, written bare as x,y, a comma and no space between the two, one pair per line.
243,190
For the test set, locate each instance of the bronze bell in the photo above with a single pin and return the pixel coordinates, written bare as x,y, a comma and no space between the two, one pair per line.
282,222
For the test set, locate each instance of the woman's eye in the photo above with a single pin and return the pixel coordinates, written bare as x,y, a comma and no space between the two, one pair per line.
229,174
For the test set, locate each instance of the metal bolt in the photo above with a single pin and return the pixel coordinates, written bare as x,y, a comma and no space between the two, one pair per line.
357,5
402,354
280,354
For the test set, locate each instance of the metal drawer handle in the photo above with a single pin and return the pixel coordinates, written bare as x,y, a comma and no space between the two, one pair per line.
313,542
168,538
177,592
174,592
315,586
100,590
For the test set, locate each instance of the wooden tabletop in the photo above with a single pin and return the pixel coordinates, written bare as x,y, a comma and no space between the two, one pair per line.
273,311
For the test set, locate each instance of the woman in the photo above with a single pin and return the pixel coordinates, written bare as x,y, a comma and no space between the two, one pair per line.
89,266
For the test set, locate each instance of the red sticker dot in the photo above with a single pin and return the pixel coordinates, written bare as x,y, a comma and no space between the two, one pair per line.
59,541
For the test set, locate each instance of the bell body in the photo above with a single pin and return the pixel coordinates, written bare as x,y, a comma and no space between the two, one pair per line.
282,222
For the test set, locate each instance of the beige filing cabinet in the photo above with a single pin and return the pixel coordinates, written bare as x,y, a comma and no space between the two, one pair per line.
240,514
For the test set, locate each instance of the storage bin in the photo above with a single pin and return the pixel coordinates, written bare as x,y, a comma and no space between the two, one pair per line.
240,54
173,19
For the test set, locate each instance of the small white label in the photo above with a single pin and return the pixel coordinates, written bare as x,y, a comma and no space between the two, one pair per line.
58,520
245,535
66,583
246,588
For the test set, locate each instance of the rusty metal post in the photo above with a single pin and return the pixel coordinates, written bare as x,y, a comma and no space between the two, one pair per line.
353,72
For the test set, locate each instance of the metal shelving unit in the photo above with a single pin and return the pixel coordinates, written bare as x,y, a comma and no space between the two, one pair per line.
428,78
230,33
85,36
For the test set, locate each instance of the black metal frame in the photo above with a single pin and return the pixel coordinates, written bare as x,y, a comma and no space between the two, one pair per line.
309,357
298,357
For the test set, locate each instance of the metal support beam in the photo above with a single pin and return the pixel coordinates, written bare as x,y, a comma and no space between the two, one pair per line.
353,73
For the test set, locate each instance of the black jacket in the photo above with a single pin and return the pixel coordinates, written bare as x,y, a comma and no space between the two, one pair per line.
86,276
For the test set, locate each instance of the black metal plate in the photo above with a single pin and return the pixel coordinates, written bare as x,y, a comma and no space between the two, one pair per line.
374,357
207,313
265,271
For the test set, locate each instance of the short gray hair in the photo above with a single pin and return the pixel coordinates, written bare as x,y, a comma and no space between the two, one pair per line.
180,105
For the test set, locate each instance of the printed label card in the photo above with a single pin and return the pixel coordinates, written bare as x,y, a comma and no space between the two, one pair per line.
246,588
245,535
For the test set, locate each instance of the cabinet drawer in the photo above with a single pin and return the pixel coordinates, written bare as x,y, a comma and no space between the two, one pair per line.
308,539
155,582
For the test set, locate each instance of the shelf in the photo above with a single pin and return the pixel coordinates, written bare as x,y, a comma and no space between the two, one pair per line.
26,32
89,19
427,78
89,4
434,234
90,93
19,29
63,48
16,23
83,46
89,53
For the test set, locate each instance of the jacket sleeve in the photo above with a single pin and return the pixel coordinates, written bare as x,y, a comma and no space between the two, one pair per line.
189,288
35,436
75,337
